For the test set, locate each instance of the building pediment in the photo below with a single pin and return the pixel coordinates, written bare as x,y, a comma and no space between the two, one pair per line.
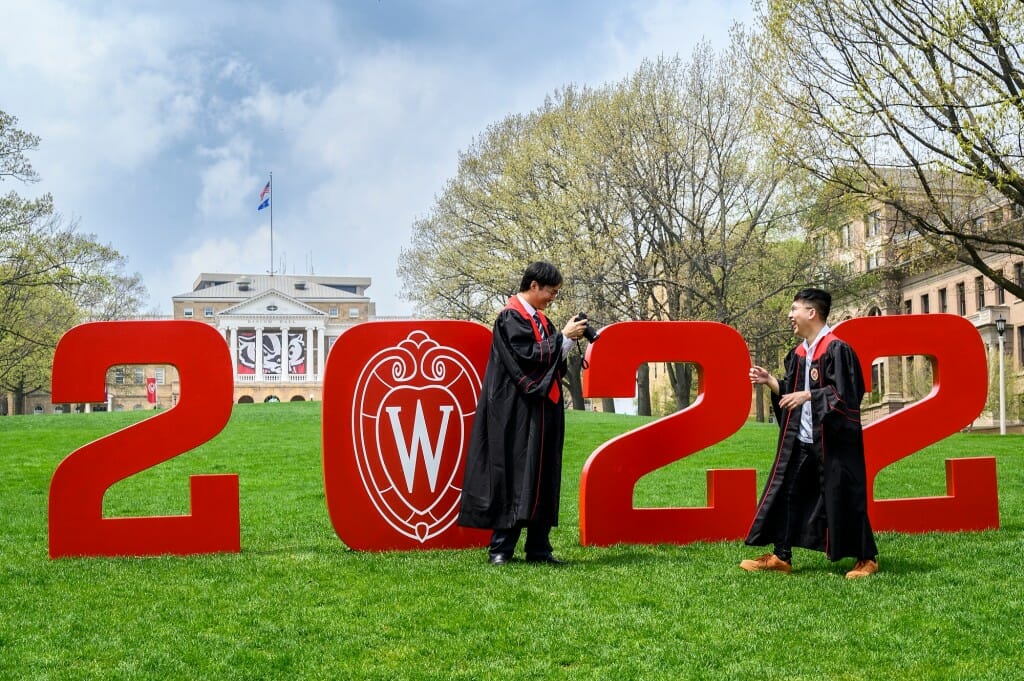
272,303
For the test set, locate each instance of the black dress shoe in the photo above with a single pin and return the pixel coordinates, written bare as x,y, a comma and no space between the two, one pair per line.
499,559
549,559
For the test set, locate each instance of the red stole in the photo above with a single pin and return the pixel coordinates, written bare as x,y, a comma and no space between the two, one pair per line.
516,304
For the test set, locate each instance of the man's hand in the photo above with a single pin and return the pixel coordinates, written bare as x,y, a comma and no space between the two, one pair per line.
760,376
794,400
574,329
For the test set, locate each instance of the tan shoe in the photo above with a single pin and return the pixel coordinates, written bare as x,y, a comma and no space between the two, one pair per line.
768,561
863,568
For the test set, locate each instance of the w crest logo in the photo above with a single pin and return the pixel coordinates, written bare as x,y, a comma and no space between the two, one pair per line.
410,415
420,442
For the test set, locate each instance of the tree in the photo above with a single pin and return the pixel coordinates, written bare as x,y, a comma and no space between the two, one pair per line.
917,104
51,276
655,195
710,204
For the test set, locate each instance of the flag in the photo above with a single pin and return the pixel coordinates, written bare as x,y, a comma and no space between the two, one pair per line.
264,197
151,390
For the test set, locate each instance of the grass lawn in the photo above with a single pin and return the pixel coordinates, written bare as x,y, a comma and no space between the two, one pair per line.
296,603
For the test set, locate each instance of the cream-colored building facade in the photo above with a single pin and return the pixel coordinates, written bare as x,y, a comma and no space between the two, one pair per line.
879,241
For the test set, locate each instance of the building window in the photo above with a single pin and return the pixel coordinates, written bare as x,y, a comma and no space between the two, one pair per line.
1000,295
877,381
872,261
961,299
332,312
943,303
140,378
979,292
160,376
925,303
1020,345
119,376
187,312
873,224
1018,273
208,311
908,306
846,235
353,313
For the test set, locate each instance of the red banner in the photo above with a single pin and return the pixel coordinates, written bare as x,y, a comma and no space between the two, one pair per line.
151,390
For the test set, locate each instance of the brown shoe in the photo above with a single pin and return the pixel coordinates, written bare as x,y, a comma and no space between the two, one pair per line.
863,568
768,561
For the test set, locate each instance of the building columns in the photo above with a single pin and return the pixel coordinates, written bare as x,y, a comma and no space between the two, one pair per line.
233,348
259,353
284,353
321,356
309,354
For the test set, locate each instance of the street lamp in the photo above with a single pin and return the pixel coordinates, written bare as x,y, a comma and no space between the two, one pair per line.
1001,329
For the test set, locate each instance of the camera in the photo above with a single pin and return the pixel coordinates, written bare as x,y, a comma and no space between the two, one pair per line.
588,331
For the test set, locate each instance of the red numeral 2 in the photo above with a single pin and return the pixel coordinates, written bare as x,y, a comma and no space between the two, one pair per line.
957,397
77,525
607,515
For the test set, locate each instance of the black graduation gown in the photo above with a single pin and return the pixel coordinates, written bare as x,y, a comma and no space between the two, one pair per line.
514,461
833,518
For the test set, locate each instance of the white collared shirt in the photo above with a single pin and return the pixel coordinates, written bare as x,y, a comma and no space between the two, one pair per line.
531,310
806,433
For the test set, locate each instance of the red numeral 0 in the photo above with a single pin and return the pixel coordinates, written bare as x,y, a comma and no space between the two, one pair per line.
77,525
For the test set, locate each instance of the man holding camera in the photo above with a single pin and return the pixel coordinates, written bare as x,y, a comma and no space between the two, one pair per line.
816,495
514,462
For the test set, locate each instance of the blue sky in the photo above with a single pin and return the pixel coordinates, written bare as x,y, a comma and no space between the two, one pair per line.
160,122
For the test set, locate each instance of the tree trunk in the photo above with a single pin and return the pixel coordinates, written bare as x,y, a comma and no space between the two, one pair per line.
680,377
16,402
574,379
643,390
607,405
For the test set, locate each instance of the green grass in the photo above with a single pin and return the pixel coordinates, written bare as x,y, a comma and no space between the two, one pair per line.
297,604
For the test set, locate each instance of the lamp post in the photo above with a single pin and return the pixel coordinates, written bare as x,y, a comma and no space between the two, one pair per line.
1001,329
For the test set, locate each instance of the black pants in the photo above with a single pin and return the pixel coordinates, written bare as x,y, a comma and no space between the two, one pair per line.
503,541
803,478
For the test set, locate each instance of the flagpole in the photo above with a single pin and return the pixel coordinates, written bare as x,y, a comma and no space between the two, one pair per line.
271,224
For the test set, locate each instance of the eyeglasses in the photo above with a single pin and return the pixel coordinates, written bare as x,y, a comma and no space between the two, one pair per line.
551,289
794,308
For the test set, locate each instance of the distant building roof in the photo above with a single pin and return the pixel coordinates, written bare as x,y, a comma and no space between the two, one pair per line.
227,286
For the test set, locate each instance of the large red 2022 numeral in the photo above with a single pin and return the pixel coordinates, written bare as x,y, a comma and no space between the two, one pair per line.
957,397
77,525
607,515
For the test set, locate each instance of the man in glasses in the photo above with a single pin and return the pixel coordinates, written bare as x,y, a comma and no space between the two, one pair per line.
514,461
816,494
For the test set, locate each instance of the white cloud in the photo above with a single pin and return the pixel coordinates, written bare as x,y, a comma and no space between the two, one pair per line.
227,184
217,254
108,92
159,122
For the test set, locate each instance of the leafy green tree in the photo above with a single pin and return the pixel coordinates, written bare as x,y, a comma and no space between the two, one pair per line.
51,276
913,103
657,196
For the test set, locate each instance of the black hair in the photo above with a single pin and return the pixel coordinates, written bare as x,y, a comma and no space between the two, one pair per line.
544,273
817,298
